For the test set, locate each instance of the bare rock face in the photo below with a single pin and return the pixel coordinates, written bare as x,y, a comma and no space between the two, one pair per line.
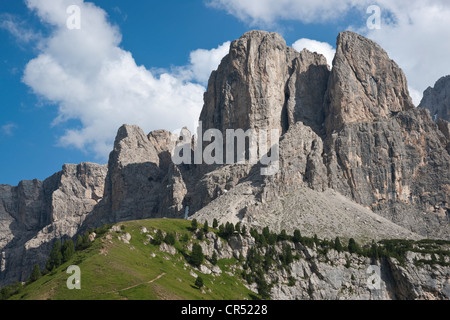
35,213
258,78
437,99
380,150
164,143
134,177
356,158
306,90
365,84
247,90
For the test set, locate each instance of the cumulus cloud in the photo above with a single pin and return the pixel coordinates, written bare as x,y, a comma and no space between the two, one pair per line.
94,81
417,40
323,48
413,32
202,62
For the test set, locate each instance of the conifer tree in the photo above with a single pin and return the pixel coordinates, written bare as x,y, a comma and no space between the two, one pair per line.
55,258
67,250
197,255
337,245
35,274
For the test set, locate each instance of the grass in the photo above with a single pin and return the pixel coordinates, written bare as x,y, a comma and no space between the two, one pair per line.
113,270
129,272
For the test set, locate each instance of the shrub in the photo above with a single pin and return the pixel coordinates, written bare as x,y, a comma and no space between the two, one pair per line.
79,244
291,281
316,240
159,238
297,236
169,239
286,257
348,263
185,238
214,258
337,245
194,225
199,282
10,290
283,236
237,228
83,242
353,247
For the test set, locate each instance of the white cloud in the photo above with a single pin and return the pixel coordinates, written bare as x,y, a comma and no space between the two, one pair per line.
9,128
417,40
201,63
93,80
323,48
413,32
204,61
11,24
266,12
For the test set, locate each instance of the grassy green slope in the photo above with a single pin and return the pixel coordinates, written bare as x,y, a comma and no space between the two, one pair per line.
113,270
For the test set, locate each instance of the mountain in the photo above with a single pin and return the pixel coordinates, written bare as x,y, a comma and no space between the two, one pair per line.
126,262
356,159
437,99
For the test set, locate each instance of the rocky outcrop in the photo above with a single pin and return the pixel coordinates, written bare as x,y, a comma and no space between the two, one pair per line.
366,140
356,158
343,276
35,213
365,84
437,99
317,271
248,88
380,150
306,90
134,178
263,84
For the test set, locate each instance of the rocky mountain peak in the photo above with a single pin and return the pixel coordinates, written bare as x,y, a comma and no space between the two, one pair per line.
263,84
131,137
356,158
437,99
365,84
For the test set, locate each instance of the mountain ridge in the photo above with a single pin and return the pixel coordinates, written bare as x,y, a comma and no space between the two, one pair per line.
349,135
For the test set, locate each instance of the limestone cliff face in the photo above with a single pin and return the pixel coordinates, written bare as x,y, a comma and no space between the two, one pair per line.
354,130
248,89
133,176
357,159
263,84
35,213
380,150
437,99
365,84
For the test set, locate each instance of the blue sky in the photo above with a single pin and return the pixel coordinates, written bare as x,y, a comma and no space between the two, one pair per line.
64,93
